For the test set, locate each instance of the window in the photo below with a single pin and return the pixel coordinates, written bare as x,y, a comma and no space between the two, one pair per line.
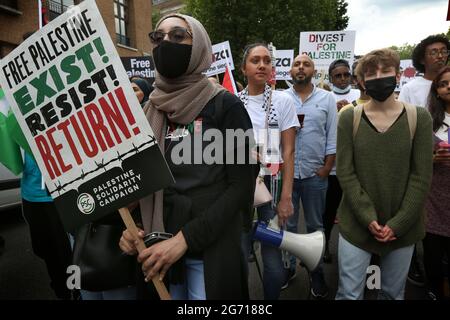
121,21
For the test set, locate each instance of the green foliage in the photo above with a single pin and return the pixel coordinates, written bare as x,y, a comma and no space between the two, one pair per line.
404,51
156,15
280,22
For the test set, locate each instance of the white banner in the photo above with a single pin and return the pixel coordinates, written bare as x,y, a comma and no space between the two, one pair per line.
221,54
73,101
323,47
284,61
408,73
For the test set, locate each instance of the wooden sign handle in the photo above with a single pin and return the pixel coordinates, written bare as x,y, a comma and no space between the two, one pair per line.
131,226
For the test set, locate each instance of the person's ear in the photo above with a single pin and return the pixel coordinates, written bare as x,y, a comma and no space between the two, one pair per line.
398,76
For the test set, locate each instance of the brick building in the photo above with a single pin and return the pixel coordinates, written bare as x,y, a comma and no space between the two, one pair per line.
128,22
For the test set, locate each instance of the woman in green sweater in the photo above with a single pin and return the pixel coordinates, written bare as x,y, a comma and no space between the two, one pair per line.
384,165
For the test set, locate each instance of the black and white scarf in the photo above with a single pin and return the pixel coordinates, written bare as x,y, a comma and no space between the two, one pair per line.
244,96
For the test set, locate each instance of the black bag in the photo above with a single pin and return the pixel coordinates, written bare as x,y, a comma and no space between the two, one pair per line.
103,265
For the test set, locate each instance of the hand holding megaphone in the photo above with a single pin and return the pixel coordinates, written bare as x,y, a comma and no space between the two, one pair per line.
309,248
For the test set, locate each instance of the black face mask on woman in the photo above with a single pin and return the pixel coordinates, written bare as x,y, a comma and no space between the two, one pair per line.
172,59
380,89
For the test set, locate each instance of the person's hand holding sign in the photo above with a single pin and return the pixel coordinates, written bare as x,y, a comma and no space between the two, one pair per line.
159,257
127,242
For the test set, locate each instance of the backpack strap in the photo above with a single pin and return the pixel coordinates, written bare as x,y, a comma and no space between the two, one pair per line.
357,113
411,112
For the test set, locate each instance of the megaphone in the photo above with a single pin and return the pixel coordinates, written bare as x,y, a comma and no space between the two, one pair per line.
309,248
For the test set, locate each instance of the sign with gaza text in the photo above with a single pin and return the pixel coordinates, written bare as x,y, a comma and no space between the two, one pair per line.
87,131
323,47
142,67
221,54
283,64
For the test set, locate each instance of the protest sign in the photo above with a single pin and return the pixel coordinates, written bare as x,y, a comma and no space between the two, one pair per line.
139,67
221,55
72,99
408,73
326,46
283,64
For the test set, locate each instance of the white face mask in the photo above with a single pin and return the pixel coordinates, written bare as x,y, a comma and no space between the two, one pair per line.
342,91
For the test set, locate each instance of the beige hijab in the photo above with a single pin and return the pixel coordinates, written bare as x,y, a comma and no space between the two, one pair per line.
180,100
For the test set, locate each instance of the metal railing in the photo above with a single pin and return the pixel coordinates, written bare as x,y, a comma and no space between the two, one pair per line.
55,8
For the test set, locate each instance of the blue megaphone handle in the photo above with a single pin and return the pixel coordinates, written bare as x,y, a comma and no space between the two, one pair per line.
267,235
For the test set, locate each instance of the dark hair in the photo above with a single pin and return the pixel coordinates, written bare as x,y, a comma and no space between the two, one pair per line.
435,105
338,63
369,62
143,85
419,51
249,48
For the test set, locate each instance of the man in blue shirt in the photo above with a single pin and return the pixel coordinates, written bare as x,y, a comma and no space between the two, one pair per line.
315,152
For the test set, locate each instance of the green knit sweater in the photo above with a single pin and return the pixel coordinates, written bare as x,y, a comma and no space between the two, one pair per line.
384,178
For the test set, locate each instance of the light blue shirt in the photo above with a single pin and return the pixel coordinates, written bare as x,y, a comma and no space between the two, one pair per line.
317,138
31,184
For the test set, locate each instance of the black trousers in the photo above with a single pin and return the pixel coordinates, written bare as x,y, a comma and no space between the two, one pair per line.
434,249
334,195
50,242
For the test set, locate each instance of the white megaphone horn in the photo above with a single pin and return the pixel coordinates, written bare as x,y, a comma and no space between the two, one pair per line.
309,248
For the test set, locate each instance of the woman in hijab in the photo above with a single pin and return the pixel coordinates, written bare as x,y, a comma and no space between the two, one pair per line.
205,208
142,89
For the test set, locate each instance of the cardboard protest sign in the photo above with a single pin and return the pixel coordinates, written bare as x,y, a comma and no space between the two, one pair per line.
72,99
139,66
408,73
326,46
221,55
283,64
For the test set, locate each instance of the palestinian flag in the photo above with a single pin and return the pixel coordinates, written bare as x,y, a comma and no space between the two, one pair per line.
10,155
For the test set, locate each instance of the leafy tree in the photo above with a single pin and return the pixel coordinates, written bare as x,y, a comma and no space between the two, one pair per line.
156,15
280,22
404,51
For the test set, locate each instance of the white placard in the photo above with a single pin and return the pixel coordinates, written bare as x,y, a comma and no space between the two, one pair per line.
73,101
408,73
221,54
284,60
323,47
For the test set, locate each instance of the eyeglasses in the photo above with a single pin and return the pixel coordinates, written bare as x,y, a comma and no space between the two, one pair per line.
345,75
435,53
176,35
442,84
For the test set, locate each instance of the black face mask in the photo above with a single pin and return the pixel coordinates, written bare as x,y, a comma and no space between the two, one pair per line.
380,89
172,59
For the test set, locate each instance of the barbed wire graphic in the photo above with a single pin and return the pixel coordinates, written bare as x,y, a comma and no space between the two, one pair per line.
102,166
